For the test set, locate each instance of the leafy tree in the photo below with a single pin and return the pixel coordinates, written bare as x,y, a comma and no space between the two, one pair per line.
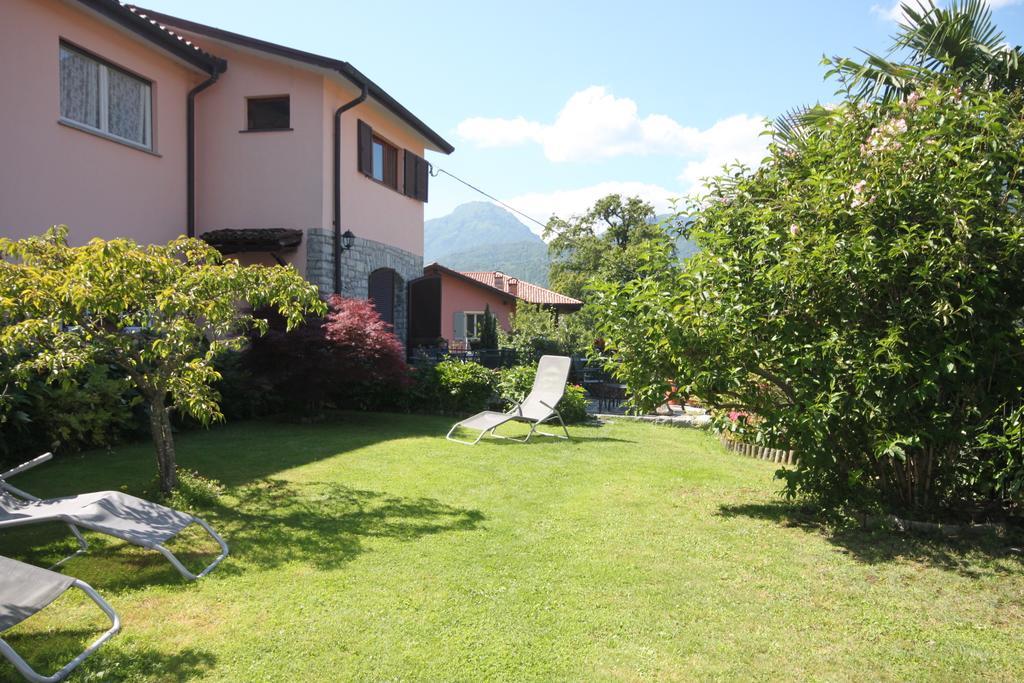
606,244
863,295
537,330
488,330
159,313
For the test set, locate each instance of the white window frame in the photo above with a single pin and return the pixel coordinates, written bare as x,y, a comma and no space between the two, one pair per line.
104,101
476,323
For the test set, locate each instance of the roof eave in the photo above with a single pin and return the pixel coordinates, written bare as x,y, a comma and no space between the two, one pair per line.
124,16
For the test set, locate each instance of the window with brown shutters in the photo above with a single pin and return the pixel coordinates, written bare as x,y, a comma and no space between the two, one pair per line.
416,175
377,158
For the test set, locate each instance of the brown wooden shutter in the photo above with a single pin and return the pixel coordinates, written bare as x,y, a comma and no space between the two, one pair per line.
416,176
422,177
365,148
409,174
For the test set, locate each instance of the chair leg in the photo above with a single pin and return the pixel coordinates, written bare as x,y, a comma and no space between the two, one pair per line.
564,429
30,674
83,546
466,443
181,568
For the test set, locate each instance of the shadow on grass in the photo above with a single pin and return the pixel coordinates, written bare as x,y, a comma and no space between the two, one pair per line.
327,524
266,523
48,651
973,556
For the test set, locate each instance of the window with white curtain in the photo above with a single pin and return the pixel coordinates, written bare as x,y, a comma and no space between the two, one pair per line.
106,99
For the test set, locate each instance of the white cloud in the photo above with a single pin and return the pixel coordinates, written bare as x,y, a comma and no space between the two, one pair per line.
566,203
594,124
894,11
737,138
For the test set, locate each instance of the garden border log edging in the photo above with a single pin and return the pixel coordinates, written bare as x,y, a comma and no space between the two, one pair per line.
779,455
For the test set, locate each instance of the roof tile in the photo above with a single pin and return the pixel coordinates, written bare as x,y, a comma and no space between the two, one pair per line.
527,291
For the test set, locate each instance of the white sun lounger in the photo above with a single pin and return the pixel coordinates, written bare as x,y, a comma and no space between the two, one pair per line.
26,590
128,518
537,408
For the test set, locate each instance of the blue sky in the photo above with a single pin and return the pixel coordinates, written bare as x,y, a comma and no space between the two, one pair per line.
552,104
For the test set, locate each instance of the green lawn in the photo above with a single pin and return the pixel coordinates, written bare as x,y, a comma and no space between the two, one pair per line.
372,549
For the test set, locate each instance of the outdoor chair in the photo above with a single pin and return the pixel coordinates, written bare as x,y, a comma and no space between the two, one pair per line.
26,590
128,518
537,408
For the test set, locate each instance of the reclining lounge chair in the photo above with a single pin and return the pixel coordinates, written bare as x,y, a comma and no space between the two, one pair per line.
26,590
537,408
128,518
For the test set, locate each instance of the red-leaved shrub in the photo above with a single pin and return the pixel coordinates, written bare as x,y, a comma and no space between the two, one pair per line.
350,359
363,345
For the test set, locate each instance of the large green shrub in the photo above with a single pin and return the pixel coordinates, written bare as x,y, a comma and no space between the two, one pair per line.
452,387
863,294
95,406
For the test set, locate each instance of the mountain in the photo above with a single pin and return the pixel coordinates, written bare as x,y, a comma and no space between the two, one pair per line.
484,236
475,224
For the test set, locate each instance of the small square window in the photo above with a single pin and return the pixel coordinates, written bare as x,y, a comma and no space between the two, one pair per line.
269,113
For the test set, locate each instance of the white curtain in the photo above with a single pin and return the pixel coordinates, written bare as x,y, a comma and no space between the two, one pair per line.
79,88
126,106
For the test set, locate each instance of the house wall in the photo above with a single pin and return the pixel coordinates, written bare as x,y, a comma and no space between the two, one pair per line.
51,173
368,208
458,296
269,179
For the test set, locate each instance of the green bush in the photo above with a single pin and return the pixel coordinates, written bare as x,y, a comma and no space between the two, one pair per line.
93,407
452,387
194,491
514,384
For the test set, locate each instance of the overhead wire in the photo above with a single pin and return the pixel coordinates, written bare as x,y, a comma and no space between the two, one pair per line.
434,170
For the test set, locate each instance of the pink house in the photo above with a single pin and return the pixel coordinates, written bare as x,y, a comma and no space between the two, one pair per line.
450,304
132,123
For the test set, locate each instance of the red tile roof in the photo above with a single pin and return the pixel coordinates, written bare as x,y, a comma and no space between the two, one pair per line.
527,291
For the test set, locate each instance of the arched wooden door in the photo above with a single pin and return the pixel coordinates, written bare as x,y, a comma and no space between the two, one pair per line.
381,289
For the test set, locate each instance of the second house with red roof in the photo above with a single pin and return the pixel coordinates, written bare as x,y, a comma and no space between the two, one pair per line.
450,304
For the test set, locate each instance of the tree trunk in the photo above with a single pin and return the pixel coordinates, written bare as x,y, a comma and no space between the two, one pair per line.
163,440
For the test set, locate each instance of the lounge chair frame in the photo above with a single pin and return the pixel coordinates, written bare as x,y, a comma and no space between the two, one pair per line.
493,420
514,415
31,674
73,524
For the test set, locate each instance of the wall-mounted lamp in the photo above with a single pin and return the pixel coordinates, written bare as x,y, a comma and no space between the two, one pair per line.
347,240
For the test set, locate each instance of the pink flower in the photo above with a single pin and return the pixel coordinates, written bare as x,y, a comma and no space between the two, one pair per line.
859,186
794,229
912,100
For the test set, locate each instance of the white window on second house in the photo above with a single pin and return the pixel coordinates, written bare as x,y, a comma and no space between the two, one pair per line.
474,323
103,98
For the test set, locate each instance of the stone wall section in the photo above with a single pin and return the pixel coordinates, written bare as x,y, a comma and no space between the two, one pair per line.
363,258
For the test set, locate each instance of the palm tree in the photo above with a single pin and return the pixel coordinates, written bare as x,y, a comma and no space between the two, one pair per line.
961,41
